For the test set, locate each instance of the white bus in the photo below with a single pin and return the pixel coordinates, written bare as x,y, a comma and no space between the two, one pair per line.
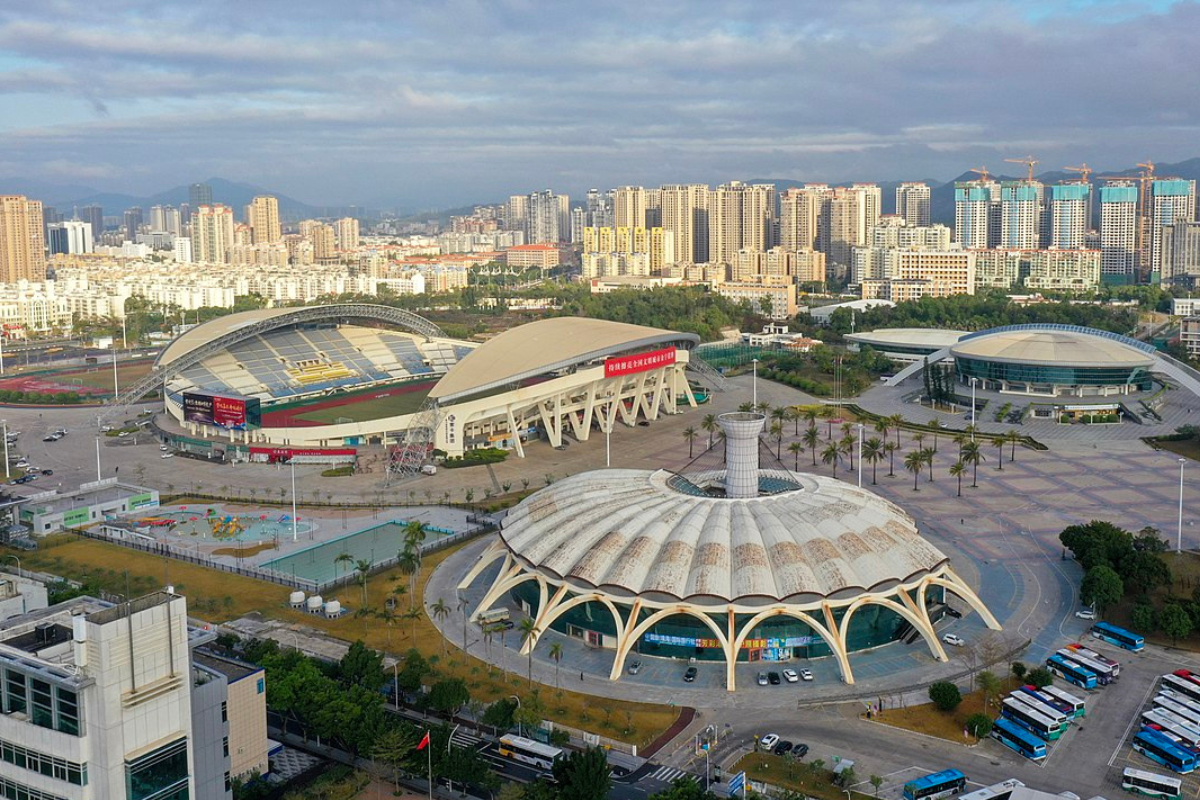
1183,686
1148,783
1187,713
1105,673
1092,654
527,751
1077,705
1045,709
494,616
1174,725
1180,698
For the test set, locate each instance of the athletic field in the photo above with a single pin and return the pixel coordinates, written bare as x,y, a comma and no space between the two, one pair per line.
376,403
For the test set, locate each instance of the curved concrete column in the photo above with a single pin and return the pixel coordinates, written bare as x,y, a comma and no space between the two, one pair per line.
958,586
558,607
494,551
918,621
631,635
830,638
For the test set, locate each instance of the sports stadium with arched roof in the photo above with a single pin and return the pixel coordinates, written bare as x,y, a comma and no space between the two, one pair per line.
337,375
734,564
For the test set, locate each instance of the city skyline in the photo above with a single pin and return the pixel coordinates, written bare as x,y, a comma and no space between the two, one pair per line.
464,103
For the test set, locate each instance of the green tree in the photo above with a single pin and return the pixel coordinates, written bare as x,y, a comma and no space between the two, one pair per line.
499,715
556,654
449,695
690,434
709,425
1039,677
830,455
945,695
529,632
876,782
362,666
811,438
979,725
1018,670
1101,587
957,470
440,611
914,462
412,671
1175,622
873,454
972,454
990,683
795,448
583,775
890,448
683,788
1144,571
1141,616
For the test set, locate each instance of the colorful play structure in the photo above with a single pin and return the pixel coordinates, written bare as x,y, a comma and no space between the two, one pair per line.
227,528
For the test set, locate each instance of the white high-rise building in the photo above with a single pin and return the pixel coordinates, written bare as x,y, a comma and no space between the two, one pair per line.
70,237
912,203
1069,215
166,219
801,212
347,233
1171,200
973,203
740,217
263,217
212,234
1118,230
629,207
1020,215
685,215
547,218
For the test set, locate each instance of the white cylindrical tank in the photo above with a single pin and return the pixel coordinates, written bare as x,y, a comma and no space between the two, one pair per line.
741,452
314,603
296,599
333,608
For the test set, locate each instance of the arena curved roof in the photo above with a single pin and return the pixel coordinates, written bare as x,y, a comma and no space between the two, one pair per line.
935,338
1058,347
544,346
639,533
256,321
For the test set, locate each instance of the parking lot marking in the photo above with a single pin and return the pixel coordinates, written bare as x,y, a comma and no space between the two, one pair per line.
1137,716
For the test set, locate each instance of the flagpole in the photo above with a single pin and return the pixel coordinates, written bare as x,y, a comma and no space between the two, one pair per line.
429,748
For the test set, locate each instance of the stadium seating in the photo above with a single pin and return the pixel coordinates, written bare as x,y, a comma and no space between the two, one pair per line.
310,360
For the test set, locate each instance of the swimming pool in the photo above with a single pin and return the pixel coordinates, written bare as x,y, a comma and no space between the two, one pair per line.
376,544
211,523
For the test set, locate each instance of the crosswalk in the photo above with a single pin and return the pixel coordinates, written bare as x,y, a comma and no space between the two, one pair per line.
669,774
461,738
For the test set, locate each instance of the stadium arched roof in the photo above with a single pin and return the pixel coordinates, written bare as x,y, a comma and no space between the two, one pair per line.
544,346
1059,347
211,337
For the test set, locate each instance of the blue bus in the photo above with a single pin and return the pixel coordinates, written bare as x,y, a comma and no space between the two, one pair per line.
1032,721
1066,699
1104,672
1019,739
1118,636
1173,725
1042,697
1072,673
936,785
1159,747
1047,710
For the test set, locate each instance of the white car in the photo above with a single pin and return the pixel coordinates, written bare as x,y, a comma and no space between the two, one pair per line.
954,639
167,455
769,741
762,679
790,675
1086,613
806,675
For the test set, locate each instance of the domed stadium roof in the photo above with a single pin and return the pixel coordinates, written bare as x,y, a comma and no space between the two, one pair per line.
1057,347
665,537
544,346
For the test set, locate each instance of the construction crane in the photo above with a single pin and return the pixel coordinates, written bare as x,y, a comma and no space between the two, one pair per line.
982,172
1084,172
1029,161
1142,228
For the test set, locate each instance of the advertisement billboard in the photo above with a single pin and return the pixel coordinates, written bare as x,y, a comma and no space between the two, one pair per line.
222,411
641,362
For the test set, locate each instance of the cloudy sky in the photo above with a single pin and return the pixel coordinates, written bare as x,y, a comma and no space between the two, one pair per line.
427,104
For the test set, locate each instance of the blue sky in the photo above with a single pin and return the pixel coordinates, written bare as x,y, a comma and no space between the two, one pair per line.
436,104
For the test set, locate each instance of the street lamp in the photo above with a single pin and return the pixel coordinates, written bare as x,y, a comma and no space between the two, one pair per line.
514,697
1179,540
973,380
754,385
295,529
4,422
860,438
14,558
608,431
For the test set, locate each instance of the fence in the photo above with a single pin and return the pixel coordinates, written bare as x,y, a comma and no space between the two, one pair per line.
379,566
582,739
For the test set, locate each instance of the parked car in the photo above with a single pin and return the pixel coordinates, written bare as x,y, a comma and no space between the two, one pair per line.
806,675
953,612
47,472
762,679
954,640
783,747
634,667
690,675
167,455
769,741
790,675
643,423
773,677
1085,613
49,439
800,750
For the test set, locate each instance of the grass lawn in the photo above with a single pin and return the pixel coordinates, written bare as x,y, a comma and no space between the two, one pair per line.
1185,572
927,719
101,375
375,408
1188,448
219,597
798,776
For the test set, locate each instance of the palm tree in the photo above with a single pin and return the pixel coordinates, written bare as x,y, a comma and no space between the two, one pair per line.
882,426
956,471
927,455
1014,438
793,415
363,566
872,453
830,455
777,433
440,611
890,448
556,654
689,433
528,634
829,412
848,442
388,615
746,407
413,614
919,440
343,558
795,448
811,414
936,424
410,565
762,408
780,415
811,438
973,454
961,439
709,424
999,441
896,420
914,462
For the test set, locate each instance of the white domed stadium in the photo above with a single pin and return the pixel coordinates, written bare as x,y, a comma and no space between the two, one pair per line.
733,564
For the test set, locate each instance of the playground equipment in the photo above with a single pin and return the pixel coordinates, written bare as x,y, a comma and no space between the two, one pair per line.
228,528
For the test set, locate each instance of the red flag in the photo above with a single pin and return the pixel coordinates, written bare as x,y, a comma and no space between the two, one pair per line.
424,741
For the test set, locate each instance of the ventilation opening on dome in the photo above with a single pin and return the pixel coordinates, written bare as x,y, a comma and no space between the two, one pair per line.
767,485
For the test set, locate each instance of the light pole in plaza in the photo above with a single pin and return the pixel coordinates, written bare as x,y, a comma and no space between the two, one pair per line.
973,426
754,385
1179,538
860,438
4,422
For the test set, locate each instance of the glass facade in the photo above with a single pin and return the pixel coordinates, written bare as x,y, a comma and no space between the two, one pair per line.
995,372
775,639
47,704
43,764
159,775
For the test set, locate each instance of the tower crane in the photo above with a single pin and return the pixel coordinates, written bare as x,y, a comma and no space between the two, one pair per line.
982,172
1029,161
1084,172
